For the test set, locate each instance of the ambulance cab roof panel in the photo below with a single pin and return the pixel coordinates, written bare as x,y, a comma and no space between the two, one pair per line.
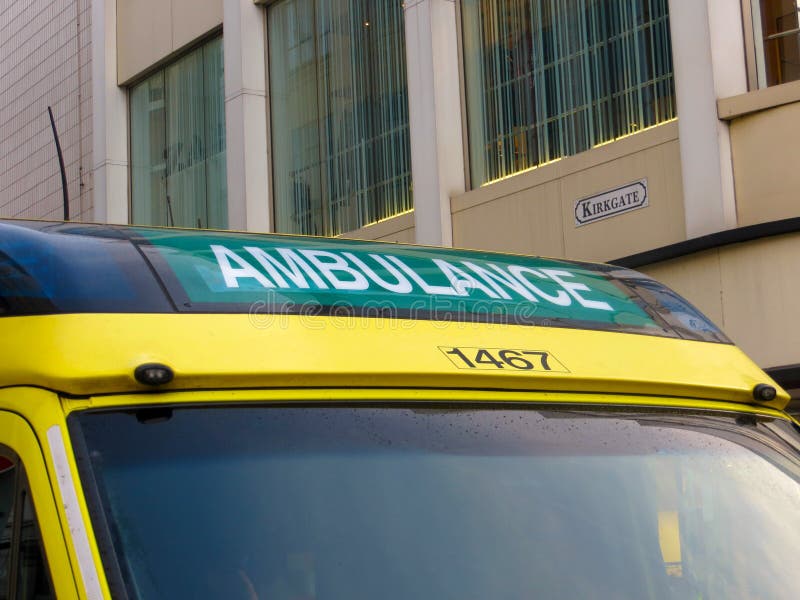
51,268
48,268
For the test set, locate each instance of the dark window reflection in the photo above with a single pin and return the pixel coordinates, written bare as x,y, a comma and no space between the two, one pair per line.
441,503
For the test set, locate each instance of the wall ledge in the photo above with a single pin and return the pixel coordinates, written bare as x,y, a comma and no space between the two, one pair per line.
734,107
381,229
610,151
709,242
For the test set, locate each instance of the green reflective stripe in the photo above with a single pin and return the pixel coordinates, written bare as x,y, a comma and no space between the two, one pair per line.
219,268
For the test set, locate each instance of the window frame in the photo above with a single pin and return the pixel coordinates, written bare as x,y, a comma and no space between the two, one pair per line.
158,414
754,41
21,492
161,66
470,137
462,93
748,30
8,586
328,226
18,438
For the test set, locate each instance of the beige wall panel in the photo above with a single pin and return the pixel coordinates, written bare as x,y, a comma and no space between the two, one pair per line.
760,291
697,278
764,147
395,229
525,222
750,290
407,236
193,18
148,31
144,35
533,212
754,101
658,224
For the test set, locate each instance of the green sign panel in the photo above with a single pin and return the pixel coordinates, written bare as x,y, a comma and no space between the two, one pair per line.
233,272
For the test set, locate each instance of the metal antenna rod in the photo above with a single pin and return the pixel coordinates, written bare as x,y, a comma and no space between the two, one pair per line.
169,213
61,165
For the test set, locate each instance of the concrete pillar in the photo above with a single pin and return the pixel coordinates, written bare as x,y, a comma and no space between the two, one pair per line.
109,120
709,63
437,157
248,163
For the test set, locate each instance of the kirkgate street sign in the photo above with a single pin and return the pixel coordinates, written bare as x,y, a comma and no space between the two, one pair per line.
611,203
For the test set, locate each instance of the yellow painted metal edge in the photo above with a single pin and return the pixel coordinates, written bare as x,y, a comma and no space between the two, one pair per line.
97,354
43,411
404,396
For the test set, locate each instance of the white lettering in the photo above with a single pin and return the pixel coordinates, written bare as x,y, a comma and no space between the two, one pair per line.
291,270
426,287
233,274
403,285
573,288
346,271
329,263
500,277
461,280
561,298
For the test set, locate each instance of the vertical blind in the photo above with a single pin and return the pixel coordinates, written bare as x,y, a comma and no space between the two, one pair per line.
550,78
178,143
339,108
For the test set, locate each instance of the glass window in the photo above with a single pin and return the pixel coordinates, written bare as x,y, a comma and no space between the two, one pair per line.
178,143
777,32
263,275
33,581
339,107
547,79
8,480
23,570
447,501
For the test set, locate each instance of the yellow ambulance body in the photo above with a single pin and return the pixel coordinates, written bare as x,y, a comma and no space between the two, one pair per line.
196,414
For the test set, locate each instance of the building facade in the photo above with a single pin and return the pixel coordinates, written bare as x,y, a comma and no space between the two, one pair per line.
657,134
45,60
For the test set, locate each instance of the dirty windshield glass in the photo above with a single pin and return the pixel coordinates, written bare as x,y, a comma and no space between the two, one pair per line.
398,503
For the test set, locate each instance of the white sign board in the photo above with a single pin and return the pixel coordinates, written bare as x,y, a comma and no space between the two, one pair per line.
611,203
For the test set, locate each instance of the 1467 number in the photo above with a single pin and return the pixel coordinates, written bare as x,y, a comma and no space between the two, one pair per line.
502,358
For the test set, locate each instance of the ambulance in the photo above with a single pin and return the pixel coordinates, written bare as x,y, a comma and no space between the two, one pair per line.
203,414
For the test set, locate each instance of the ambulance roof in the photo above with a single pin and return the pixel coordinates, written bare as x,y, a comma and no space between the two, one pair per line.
57,268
